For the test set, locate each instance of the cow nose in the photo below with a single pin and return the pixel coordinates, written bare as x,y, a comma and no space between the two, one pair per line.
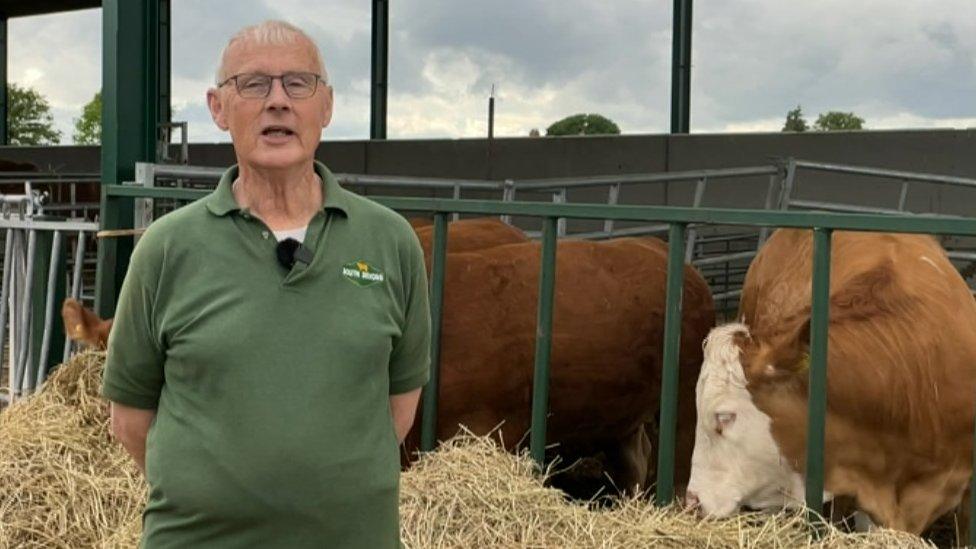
691,500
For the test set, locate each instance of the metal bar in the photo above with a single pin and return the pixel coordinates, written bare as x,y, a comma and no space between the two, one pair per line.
75,285
903,196
774,181
49,177
4,100
155,192
669,376
819,320
692,232
789,182
838,207
543,342
711,216
22,374
560,198
961,255
456,195
724,258
727,295
893,174
920,223
428,183
630,179
508,195
428,432
613,196
52,281
380,68
8,269
17,267
629,231
681,67
29,224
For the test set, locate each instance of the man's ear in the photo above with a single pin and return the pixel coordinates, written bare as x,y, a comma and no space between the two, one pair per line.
217,111
330,101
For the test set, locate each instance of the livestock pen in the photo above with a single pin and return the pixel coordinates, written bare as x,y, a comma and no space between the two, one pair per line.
678,220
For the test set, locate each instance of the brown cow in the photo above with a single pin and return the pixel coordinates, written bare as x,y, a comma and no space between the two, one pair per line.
84,326
900,391
606,348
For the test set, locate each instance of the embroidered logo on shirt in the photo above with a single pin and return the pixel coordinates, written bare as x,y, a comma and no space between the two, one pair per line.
362,273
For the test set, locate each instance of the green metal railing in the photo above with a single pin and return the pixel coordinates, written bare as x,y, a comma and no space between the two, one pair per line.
823,225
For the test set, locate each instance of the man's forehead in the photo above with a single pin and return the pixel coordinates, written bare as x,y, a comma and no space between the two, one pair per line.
249,56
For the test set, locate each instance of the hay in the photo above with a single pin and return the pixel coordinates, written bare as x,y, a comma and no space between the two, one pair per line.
471,494
65,483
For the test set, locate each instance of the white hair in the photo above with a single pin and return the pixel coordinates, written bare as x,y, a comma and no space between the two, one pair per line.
271,32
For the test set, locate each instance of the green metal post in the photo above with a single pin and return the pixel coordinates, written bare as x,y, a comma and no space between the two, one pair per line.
428,430
380,69
543,342
4,109
42,266
669,381
681,67
164,108
819,319
130,107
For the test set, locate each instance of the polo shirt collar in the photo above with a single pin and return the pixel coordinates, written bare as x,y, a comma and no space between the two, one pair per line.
221,201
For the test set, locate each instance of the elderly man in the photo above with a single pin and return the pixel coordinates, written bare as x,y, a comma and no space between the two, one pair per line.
271,339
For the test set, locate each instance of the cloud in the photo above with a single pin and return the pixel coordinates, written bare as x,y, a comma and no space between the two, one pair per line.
895,64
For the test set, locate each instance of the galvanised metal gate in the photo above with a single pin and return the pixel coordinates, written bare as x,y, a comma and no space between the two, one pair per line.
678,220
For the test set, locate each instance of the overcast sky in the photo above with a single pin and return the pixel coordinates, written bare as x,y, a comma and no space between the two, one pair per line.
896,63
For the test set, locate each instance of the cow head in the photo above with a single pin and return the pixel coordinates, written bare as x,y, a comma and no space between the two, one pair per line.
736,462
83,325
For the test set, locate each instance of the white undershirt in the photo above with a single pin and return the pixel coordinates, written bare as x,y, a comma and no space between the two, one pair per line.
298,234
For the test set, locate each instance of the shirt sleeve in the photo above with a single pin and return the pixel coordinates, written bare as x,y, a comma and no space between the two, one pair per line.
410,359
134,366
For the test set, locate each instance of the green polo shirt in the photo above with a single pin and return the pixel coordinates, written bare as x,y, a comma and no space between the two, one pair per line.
273,425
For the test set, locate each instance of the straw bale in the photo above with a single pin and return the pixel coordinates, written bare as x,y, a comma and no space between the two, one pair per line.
65,483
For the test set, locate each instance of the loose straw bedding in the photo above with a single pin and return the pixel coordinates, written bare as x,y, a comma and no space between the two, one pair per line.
65,483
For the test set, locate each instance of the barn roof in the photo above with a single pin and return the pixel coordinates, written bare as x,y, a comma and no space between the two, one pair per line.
20,8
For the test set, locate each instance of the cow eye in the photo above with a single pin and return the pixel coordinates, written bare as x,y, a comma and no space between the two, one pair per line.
723,420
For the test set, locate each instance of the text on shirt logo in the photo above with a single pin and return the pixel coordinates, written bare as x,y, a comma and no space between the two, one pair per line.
362,273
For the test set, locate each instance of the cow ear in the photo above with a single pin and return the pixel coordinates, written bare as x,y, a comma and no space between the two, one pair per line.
784,357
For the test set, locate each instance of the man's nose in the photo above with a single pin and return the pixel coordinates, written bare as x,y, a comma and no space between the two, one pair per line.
277,98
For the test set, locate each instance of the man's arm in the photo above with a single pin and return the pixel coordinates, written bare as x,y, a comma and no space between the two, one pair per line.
404,409
130,425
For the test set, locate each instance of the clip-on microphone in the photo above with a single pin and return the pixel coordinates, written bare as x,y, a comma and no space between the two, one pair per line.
290,250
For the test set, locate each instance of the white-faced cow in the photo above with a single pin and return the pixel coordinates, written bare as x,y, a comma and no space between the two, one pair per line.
900,391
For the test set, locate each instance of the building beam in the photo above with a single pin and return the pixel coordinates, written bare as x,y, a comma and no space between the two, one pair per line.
380,66
130,118
4,107
681,67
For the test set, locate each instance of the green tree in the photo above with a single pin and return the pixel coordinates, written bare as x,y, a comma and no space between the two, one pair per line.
836,120
88,128
795,121
29,121
583,124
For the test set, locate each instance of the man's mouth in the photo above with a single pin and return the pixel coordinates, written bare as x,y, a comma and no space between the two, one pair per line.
277,131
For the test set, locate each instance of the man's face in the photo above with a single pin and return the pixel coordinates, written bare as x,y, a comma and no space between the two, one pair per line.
276,131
